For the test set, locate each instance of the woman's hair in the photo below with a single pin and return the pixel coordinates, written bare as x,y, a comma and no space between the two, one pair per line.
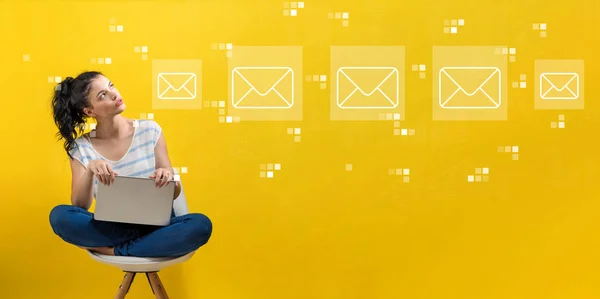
68,101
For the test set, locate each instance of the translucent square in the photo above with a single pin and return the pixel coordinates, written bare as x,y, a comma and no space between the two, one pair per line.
92,126
221,104
422,75
422,67
263,166
398,171
453,30
345,15
100,60
323,85
515,84
389,116
214,46
501,149
543,26
405,171
331,15
277,166
214,104
119,28
477,170
453,22
228,119
93,60
553,125
177,178
446,29
485,178
345,23
396,124
404,132
507,149
112,28
505,51
446,22
523,77
228,46
144,56
515,156
222,46
543,34
229,54
108,60
396,116
290,131
411,132
559,84
338,15
144,49
51,80
415,67
93,134
293,4
406,179
221,119
323,78
485,170
297,131
300,4
236,119
315,78
477,178
286,4
461,22
184,169
512,58
561,117
222,111
391,171
269,166
297,139
293,13
263,174
26,57
515,149
137,49
308,78
512,51
348,167
536,26
57,79
561,124
397,132
522,84
143,116
470,178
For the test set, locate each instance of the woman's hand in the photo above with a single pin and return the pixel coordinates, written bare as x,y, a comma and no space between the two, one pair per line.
162,177
103,171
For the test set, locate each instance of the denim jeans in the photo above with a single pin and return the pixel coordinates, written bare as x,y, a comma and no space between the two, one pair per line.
185,234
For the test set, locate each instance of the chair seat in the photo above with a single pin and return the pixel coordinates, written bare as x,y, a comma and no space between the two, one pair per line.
139,264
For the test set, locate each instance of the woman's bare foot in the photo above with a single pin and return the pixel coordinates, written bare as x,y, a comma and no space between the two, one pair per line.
101,250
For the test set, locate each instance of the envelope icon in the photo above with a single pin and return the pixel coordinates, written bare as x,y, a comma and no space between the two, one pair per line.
262,87
470,87
176,86
559,86
367,87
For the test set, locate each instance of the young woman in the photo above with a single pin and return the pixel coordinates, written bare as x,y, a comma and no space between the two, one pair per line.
118,146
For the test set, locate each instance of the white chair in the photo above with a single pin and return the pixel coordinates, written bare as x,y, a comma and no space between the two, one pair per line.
149,266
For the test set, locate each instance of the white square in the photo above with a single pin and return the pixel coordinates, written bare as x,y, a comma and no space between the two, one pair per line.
144,49
92,126
57,79
396,116
228,46
119,28
515,149
453,30
406,171
228,119
485,170
404,132
184,169
293,12
422,67
345,15
461,22
471,178
297,131
150,115
561,124
25,57
543,26
323,78
108,60
522,84
221,104
177,178
300,4
269,174
277,166
512,51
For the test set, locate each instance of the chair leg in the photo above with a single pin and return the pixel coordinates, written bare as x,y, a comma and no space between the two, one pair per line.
125,285
157,287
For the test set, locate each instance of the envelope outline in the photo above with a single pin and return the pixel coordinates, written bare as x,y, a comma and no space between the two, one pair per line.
496,71
544,77
190,94
393,71
236,70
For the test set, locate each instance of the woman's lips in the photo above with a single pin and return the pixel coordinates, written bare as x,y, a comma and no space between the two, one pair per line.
119,102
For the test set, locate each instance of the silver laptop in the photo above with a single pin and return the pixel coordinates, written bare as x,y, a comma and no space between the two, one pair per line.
134,200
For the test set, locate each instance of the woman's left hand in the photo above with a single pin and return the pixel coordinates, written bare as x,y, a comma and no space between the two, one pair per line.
162,177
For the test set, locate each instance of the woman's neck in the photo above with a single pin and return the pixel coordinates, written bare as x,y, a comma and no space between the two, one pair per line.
116,127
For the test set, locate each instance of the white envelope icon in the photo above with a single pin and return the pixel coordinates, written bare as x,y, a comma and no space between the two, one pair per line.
367,87
176,86
262,87
470,87
559,86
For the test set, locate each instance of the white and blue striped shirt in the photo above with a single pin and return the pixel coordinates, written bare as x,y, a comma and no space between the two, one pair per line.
139,161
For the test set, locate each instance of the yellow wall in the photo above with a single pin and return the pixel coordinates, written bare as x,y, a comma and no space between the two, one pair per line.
316,230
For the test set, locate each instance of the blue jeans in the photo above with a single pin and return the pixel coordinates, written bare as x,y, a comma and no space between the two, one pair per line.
185,234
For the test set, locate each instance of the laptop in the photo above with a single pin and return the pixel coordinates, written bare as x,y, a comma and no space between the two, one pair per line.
134,200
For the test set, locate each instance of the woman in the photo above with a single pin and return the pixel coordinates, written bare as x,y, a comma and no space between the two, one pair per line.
117,146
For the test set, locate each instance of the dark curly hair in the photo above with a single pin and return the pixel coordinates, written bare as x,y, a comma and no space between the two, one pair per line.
69,99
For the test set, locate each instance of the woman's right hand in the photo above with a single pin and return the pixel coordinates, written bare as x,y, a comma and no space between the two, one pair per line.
103,171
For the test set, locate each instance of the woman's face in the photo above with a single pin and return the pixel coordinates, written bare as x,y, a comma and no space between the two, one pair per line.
104,99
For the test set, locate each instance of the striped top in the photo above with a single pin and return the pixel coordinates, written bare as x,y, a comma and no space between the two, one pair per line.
139,161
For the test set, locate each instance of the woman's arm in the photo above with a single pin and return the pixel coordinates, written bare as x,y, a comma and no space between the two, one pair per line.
163,161
82,183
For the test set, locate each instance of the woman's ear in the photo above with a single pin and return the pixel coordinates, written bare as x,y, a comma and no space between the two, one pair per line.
89,112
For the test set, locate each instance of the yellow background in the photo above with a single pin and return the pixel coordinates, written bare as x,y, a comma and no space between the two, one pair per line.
316,230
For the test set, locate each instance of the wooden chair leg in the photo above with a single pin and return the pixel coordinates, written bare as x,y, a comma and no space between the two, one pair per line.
157,287
125,285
